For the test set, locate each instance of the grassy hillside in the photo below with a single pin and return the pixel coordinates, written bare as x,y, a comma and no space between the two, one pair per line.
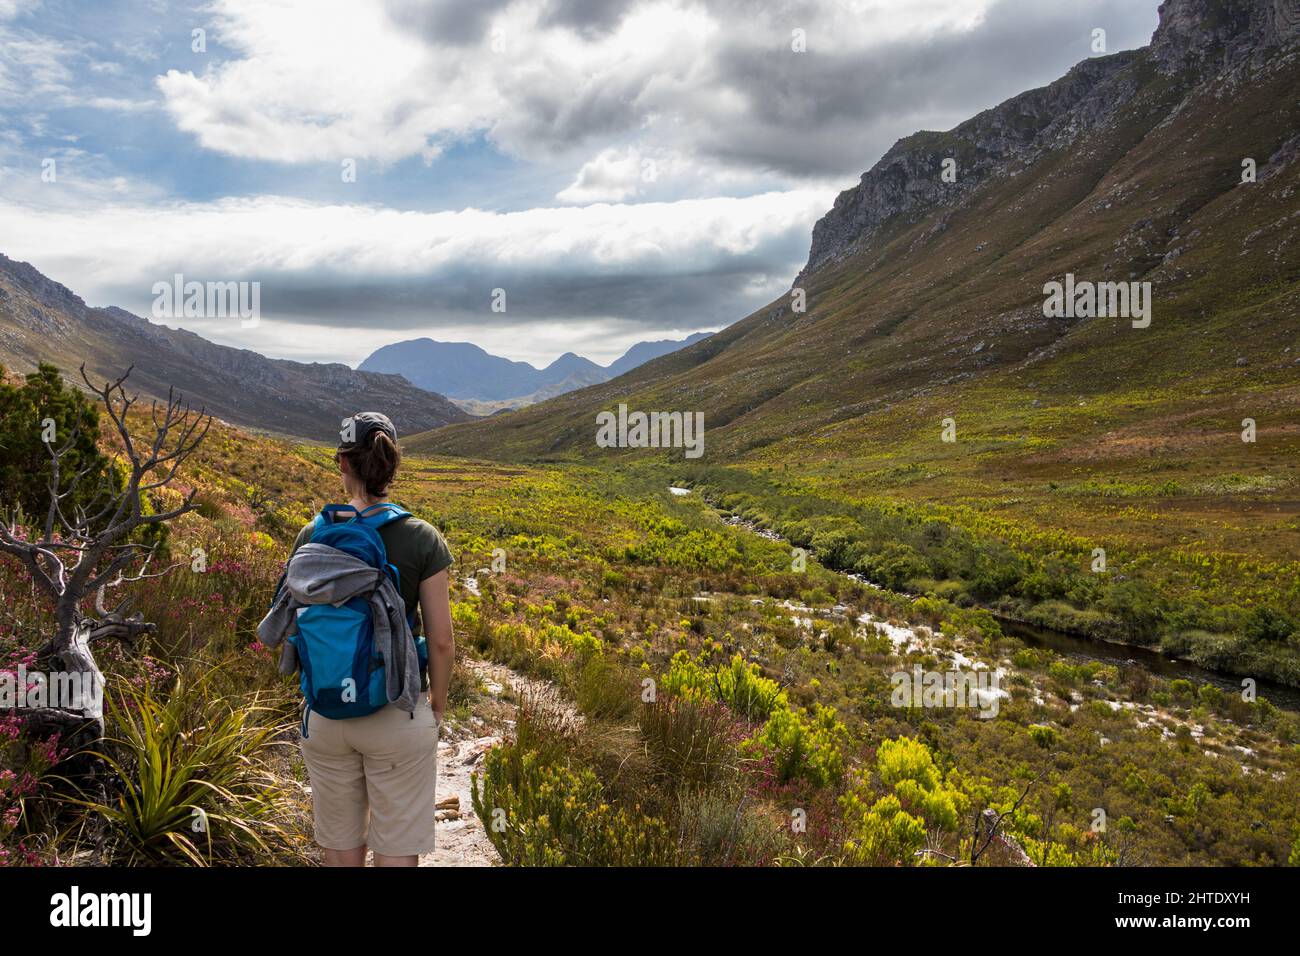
733,709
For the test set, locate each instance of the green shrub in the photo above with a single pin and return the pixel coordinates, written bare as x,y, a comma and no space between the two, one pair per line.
540,814
892,829
25,468
803,746
884,834
1027,659
1269,625
971,622
739,685
196,784
1044,736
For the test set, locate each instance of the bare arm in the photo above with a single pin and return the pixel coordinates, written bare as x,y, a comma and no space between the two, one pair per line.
435,610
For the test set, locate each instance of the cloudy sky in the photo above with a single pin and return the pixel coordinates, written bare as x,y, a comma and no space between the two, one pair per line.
623,169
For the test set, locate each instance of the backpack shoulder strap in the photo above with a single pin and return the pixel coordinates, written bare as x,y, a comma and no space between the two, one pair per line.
333,514
376,516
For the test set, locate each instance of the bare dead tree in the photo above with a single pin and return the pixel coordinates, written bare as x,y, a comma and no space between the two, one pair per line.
988,823
85,549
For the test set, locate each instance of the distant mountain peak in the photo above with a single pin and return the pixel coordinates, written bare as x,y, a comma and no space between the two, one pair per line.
569,362
469,374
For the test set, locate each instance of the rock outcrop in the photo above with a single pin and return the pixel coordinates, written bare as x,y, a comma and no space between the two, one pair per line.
1197,39
1209,35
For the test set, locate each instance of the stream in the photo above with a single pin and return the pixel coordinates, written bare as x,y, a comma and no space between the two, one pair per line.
1152,661
1086,649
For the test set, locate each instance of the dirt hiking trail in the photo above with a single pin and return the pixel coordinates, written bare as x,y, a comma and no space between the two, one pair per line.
462,839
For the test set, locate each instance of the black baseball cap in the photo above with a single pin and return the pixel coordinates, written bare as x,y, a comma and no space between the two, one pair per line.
365,424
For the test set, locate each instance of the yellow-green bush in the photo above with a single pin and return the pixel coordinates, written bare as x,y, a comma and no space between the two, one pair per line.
803,746
557,815
739,685
892,828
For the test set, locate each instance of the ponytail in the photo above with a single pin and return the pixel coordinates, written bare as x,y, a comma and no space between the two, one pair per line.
376,464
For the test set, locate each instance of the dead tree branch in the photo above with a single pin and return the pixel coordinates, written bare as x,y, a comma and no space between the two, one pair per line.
75,556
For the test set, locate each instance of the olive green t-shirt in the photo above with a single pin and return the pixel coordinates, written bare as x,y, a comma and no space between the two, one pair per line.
415,548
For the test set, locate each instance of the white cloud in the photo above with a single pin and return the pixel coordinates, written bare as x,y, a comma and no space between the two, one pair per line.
316,80
611,176
10,9
322,80
296,249
619,175
236,236
37,69
33,66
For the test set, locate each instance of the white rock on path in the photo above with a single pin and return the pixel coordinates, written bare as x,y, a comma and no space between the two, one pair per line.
461,840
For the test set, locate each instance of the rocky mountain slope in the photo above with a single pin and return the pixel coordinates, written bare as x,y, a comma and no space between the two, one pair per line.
41,320
925,297
1201,36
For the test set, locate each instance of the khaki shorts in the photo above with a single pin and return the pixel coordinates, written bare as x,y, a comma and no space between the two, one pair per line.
384,767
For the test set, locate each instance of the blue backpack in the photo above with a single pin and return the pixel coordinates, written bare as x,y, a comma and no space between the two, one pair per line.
342,673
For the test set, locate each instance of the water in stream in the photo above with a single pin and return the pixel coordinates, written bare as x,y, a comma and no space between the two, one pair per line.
1106,652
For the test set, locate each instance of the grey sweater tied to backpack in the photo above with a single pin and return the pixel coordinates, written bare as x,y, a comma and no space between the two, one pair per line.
319,574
